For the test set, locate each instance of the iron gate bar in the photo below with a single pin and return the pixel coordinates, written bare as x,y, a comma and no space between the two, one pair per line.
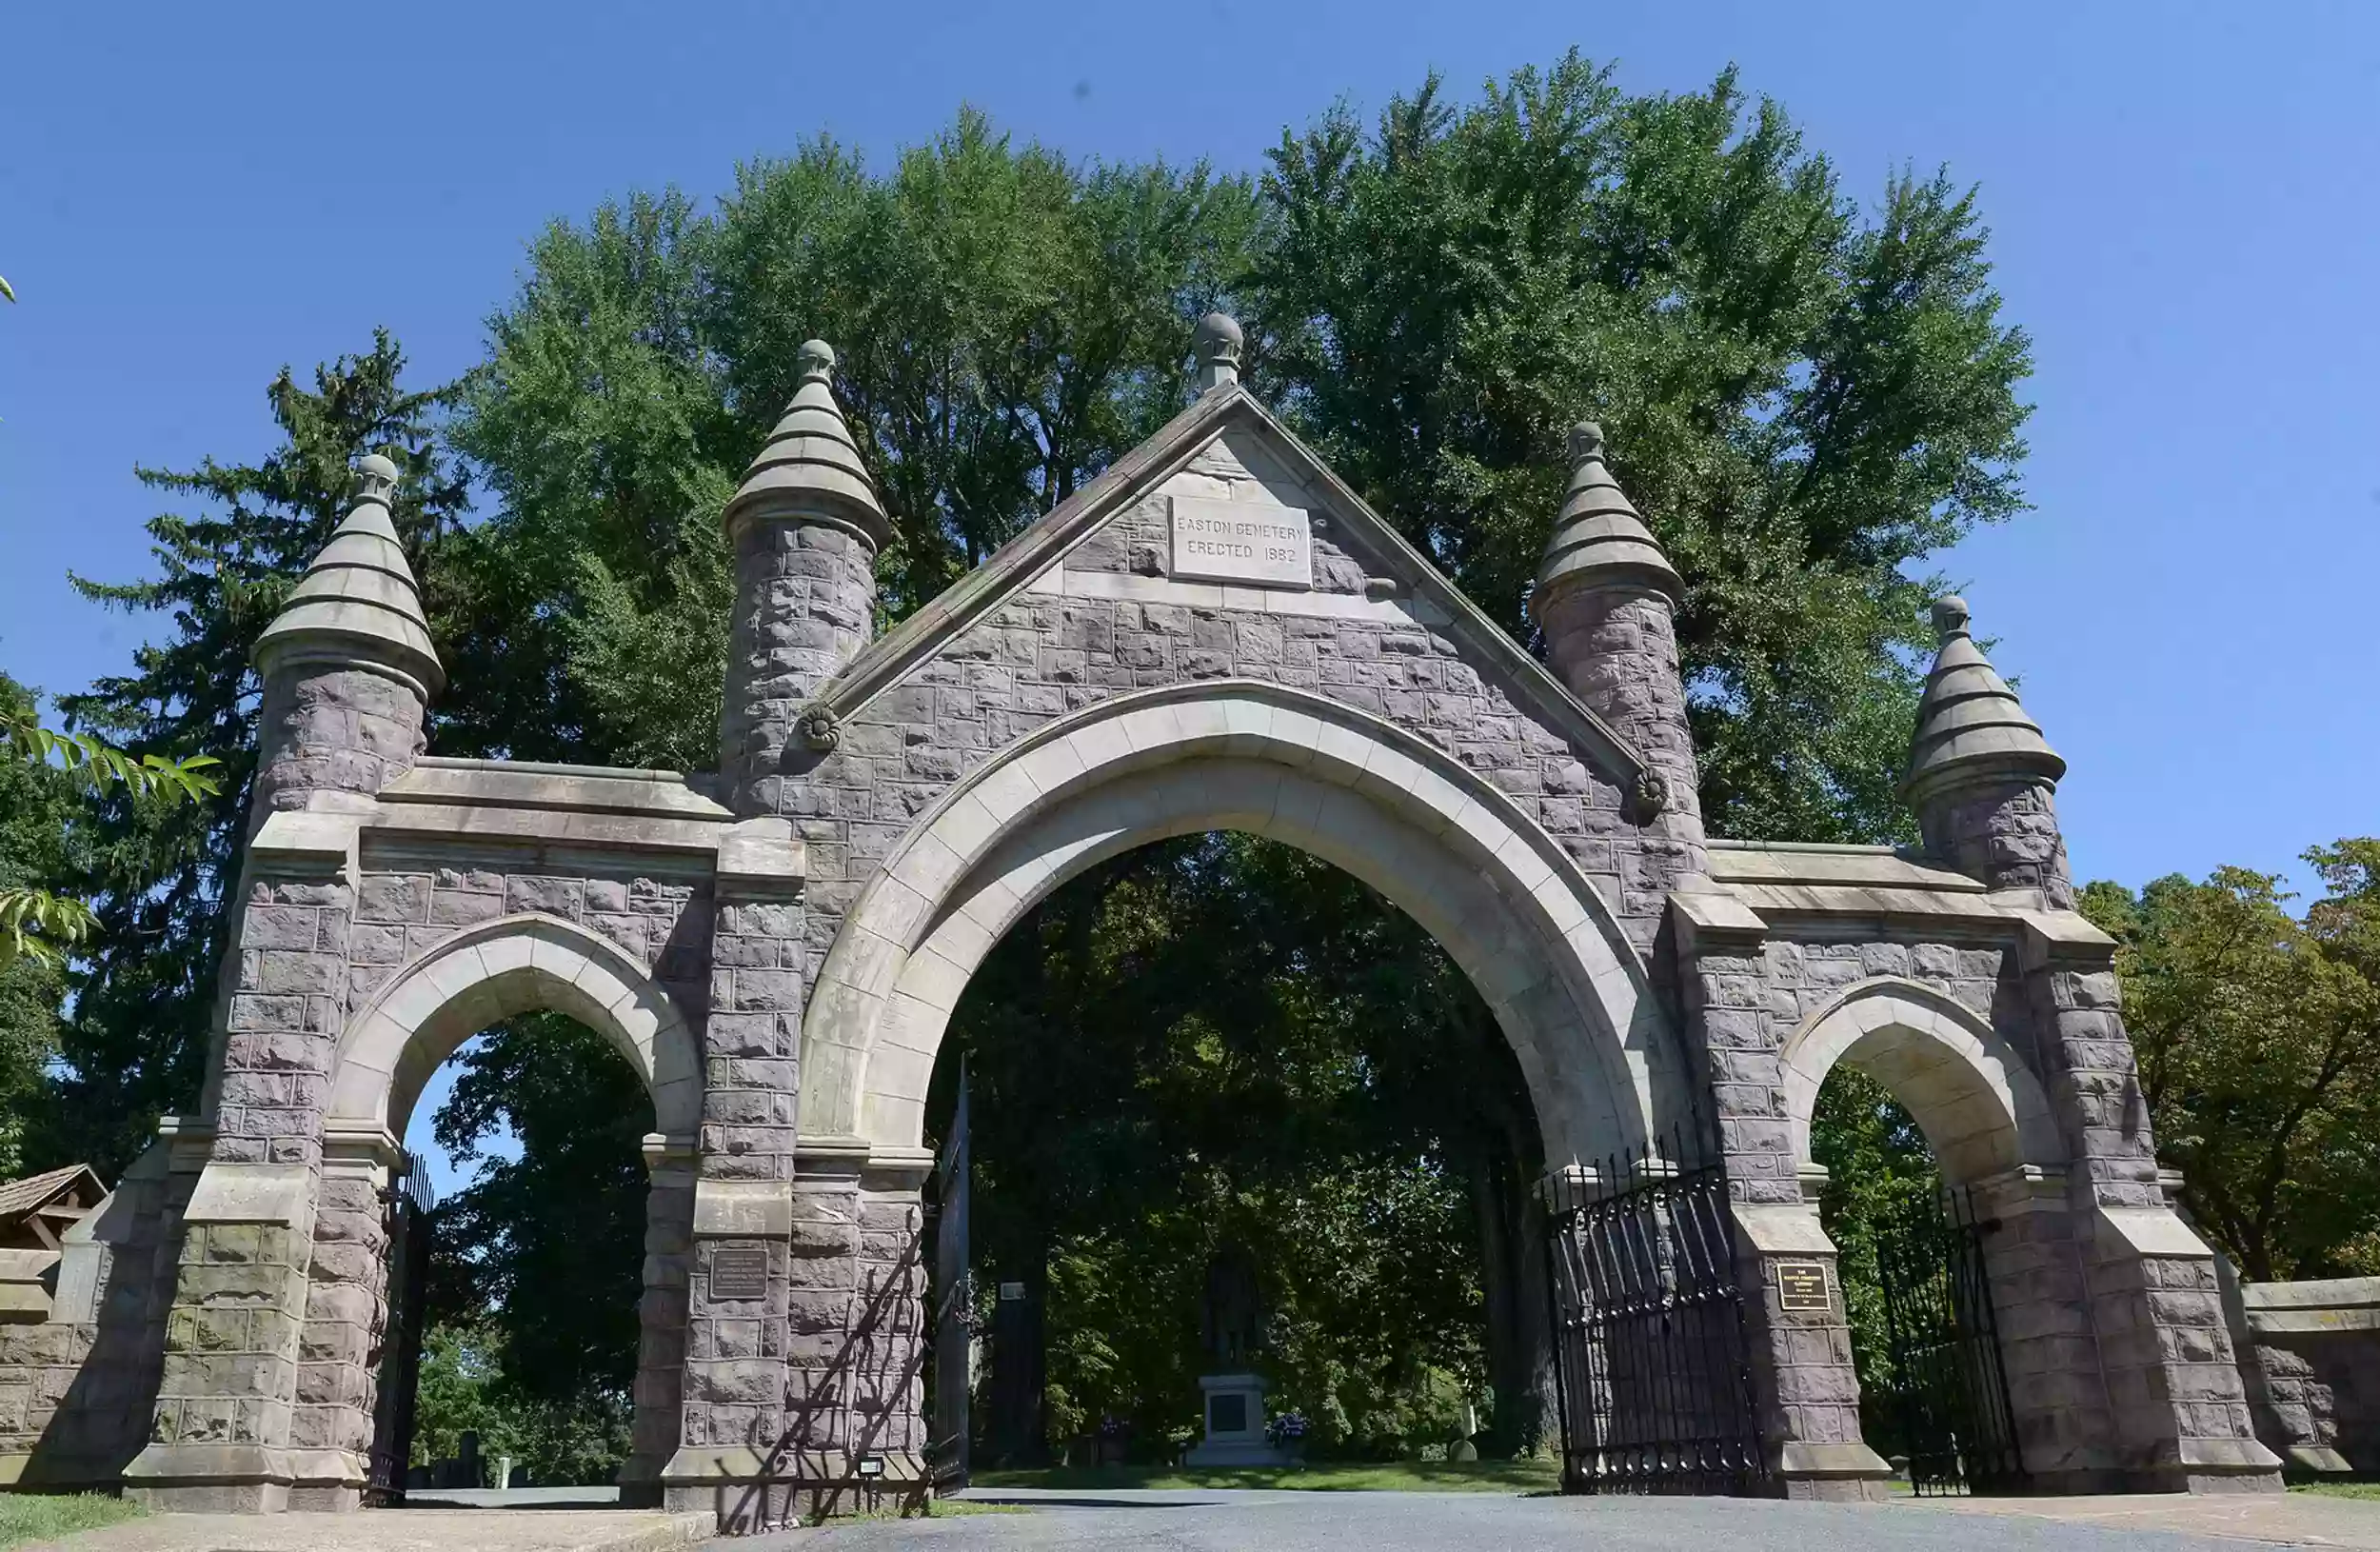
946,1450
411,1200
1652,1365
1947,1396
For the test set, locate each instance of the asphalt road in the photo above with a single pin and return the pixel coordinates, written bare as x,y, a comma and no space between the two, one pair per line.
1292,1522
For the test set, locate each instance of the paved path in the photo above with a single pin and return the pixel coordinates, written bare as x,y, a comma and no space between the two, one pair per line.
1306,1521
400,1531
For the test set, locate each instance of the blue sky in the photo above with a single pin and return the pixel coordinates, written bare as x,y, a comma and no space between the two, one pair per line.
2185,202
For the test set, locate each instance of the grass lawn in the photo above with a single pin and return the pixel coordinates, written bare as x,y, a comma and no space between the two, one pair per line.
40,1517
2338,1489
1320,1477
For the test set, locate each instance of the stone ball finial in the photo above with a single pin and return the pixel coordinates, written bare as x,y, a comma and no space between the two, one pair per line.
1220,337
1950,616
375,477
817,357
1586,441
1218,351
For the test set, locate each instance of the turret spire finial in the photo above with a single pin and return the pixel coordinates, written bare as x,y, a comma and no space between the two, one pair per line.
1220,339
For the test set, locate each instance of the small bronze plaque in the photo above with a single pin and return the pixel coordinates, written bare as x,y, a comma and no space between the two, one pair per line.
739,1271
1801,1287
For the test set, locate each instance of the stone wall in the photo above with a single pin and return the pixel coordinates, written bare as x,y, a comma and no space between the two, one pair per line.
2313,1359
77,1387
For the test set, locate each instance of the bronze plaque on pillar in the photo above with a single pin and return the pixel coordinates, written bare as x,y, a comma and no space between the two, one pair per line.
1801,1287
739,1271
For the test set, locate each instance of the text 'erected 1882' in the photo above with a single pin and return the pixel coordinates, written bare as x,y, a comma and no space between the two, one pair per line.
1241,541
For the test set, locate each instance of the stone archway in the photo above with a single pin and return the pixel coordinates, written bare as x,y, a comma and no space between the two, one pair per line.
1982,1110
491,971
1989,1124
1437,839
390,1046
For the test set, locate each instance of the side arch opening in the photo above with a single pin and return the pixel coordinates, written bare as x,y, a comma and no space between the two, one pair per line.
546,1293
1923,1134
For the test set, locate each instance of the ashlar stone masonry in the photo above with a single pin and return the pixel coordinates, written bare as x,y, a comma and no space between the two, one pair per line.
776,948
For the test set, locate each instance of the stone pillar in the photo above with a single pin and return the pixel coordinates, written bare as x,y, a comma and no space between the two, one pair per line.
1804,1384
228,1433
2041,1307
2177,1403
265,1401
346,1320
1606,598
661,1350
858,1337
804,529
733,1429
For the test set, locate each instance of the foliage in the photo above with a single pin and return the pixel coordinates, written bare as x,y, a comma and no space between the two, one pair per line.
1806,402
541,1250
134,1046
578,1439
2258,1039
1218,1043
1007,323
1881,1184
28,1518
32,921
36,804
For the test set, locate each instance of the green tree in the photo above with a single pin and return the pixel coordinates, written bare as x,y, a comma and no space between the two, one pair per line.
37,801
2258,1038
1807,402
1007,322
135,1044
539,1250
1882,1188
1222,1045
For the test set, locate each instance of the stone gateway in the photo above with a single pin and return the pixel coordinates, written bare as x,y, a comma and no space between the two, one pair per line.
1215,633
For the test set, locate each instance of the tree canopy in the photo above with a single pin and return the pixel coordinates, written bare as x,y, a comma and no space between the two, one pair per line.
2258,1038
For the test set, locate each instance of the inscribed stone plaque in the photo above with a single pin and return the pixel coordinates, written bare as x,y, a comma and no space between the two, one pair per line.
1227,1413
1242,541
739,1271
1801,1287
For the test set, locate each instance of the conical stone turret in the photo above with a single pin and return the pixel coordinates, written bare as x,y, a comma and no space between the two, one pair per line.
1981,778
348,664
1606,597
805,528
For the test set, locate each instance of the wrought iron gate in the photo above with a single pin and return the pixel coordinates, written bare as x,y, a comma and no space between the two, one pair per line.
409,1203
1652,1360
1942,1401
954,1304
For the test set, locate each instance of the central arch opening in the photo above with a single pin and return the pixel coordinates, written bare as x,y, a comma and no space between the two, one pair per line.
1231,1112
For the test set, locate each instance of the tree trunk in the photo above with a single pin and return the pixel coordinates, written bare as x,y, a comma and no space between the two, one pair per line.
1520,1335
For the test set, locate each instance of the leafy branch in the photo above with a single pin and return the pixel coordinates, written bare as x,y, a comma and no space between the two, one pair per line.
41,925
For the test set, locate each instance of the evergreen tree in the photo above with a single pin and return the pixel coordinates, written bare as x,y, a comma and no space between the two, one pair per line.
135,1044
36,803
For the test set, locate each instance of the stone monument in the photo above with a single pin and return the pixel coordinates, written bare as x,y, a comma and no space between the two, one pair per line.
1231,1327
